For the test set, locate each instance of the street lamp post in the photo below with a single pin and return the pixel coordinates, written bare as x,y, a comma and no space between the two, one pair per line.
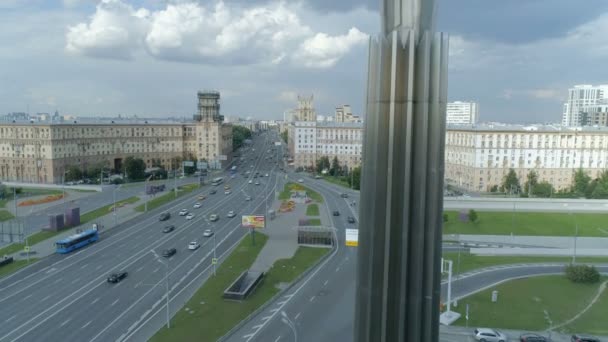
146,193
214,262
114,207
64,202
575,238
285,319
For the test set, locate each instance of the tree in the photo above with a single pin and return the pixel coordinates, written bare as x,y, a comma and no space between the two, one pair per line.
284,135
543,189
94,170
510,183
494,188
322,164
135,168
581,182
531,182
73,173
582,274
473,216
239,134
354,180
445,217
335,166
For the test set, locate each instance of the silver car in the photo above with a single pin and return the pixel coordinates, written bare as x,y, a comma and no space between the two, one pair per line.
489,335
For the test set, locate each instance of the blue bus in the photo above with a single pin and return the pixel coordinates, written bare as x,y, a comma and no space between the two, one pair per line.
76,241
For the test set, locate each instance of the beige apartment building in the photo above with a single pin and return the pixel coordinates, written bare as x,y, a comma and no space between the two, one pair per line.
41,152
477,157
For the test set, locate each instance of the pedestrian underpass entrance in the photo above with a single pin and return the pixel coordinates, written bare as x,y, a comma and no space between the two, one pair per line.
316,235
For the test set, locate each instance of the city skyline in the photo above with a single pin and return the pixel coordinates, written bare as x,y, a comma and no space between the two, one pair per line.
71,62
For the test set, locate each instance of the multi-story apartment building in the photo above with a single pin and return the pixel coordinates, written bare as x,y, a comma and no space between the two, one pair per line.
308,141
478,157
345,114
41,152
305,110
462,113
579,98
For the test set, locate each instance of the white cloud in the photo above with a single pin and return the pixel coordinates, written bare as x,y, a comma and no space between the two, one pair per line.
187,31
288,96
322,50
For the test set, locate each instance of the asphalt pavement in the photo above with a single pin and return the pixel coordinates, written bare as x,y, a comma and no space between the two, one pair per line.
67,298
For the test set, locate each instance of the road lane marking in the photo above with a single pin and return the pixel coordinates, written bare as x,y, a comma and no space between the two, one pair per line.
297,315
65,322
312,298
325,283
95,300
28,296
83,266
139,269
278,338
75,280
247,336
156,270
98,267
86,325
114,302
56,281
337,268
266,318
45,298
274,310
11,318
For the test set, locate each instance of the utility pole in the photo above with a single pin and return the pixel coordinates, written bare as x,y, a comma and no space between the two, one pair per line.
175,182
146,193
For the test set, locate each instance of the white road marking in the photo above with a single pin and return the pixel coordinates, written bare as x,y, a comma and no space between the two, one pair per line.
95,300
66,322
45,298
86,325
114,302
56,281
75,280
155,270
257,327
85,265
297,315
139,269
247,336
337,268
274,310
325,283
28,296
312,298
11,318
278,338
266,318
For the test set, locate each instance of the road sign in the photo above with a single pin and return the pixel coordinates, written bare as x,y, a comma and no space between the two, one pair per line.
222,157
214,261
352,237
201,165
278,143
189,163
252,221
26,249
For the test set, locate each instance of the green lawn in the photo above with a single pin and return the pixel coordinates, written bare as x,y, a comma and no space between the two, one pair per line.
216,316
337,180
3,202
6,215
14,266
588,322
529,223
470,262
521,304
168,197
312,210
314,222
106,209
25,192
286,193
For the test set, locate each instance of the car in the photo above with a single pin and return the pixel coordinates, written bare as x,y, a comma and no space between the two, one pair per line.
250,181
226,187
213,217
584,338
530,337
300,180
351,219
227,192
257,183
201,197
168,229
167,253
213,192
231,214
344,195
197,205
183,212
189,216
266,175
117,277
489,335
247,198
164,216
255,176
208,233
336,213
193,245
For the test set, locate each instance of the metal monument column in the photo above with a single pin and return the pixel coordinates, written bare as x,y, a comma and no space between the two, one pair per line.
398,281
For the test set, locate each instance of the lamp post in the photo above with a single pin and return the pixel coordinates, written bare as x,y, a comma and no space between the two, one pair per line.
575,237
114,207
166,263
64,202
214,262
285,319
146,193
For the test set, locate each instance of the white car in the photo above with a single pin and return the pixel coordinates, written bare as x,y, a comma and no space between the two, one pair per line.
231,214
193,245
300,180
213,217
227,192
248,198
183,212
189,216
197,205
266,175
257,183
490,335
207,233
250,181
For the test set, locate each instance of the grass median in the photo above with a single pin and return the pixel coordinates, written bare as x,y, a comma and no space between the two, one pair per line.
469,262
341,181
14,266
312,210
106,209
529,223
289,187
168,197
6,215
211,317
522,304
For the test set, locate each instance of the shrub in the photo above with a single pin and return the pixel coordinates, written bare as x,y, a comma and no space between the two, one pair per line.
472,216
582,274
445,217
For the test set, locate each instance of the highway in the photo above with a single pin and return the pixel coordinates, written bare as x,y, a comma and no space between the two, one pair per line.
322,305
67,298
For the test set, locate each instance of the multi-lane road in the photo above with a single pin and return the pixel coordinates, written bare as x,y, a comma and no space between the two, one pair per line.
67,298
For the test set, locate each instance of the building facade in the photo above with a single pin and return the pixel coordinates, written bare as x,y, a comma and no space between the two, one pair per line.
478,157
306,109
345,114
462,113
579,98
308,141
42,152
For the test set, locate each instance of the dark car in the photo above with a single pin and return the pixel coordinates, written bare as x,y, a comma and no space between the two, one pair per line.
168,229
213,192
344,195
584,338
164,216
167,253
336,213
117,277
529,337
351,219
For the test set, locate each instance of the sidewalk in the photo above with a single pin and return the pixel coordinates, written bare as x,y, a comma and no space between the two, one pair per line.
106,222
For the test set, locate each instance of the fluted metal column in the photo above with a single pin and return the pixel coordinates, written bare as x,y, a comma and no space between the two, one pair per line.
398,281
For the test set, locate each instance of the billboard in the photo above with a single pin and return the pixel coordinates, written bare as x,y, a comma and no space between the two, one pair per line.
252,221
189,163
222,157
201,165
352,237
277,143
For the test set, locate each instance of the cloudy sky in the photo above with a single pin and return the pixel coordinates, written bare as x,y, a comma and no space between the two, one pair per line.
149,57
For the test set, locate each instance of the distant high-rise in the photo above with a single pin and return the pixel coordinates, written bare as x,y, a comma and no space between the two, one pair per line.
579,98
306,109
462,113
209,106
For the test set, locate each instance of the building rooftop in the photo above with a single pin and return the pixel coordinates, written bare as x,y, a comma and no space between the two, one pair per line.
500,127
